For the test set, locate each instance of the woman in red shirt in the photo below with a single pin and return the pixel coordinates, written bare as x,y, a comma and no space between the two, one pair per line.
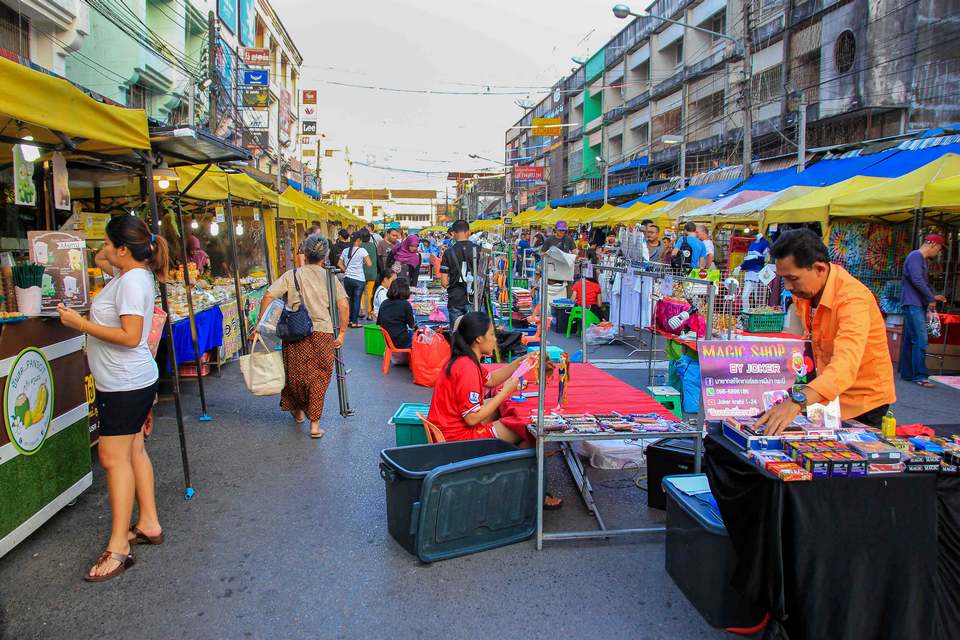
459,407
592,297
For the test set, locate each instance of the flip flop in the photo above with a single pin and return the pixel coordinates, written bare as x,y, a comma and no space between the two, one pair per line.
126,561
924,383
318,435
139,537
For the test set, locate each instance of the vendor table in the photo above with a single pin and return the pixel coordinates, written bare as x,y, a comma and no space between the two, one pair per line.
209,334
873,557
591,391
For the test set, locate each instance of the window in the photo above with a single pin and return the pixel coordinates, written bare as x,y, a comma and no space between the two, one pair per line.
678,61
136,97
845,51
14,31
717,23
767,84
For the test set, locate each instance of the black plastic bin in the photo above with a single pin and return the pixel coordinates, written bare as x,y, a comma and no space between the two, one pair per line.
700,558
561,316
667,457
452,499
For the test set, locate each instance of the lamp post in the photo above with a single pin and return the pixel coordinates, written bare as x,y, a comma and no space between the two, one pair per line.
623,11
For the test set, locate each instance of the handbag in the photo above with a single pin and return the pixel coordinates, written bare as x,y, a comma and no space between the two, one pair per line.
263,373
295,325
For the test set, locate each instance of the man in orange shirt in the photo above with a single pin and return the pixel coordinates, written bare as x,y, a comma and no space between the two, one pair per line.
841,317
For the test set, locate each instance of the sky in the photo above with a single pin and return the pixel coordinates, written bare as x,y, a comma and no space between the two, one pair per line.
439,45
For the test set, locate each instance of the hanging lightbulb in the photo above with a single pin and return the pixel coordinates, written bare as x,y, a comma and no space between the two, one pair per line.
214,229
31,153
163,183
194,224
239,228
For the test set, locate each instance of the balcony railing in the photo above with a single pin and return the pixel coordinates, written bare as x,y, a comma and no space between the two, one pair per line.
767,31
706,144
669,85
706,65
574,134
637,102
593,124
664,156
614,114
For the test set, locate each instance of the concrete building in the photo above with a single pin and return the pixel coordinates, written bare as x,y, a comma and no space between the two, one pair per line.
412,208
661,101
44,32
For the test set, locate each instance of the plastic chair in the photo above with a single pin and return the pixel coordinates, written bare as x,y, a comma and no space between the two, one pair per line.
576,314
390,350
434,435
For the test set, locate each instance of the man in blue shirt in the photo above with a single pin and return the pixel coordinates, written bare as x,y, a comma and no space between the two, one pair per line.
915,299
691,247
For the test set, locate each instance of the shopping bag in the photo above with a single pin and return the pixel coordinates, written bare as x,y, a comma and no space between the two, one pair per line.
263,372
436,315
156,330
429,353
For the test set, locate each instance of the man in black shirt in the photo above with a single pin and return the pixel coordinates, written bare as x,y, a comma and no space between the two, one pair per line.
559,239
456,271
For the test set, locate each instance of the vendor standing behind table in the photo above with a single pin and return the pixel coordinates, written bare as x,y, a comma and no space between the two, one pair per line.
654,245
559,239
396,314
915,299
848,332
407,255
753,263
456,268
196,255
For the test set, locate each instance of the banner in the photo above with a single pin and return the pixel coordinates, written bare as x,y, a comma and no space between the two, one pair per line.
25,190
528,174
256,57
255,98
285,116
227,10
231,329
248,25
546,127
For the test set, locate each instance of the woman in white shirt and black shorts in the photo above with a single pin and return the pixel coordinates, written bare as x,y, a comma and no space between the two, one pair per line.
126,378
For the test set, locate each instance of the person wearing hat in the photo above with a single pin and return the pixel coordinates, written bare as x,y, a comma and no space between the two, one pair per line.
916,297
559,239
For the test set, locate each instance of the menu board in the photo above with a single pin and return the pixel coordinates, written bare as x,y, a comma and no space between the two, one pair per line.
94,225
63,255
744,378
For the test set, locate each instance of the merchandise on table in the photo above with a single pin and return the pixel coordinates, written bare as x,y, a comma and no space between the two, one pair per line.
608,423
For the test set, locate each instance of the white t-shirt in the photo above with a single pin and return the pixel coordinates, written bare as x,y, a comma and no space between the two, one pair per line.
378,297
117,368
353,268
709,250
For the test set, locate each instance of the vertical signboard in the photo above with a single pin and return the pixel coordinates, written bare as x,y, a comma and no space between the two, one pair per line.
227,10
248,24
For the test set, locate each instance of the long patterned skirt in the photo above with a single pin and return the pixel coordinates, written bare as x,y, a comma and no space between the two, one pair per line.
309,365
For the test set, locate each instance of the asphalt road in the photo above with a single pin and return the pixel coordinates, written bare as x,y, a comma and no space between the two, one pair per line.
287,538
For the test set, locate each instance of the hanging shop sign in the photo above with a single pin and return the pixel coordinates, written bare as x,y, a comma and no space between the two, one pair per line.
255,119
61,182
309,128
285,115
255,98
744,378
63,255
256,57
546,127
308,152
247,32
28,401
227,10
256,78
309,111
308,96
256,139
25,190
528,174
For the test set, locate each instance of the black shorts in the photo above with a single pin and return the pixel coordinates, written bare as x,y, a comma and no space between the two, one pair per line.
122,413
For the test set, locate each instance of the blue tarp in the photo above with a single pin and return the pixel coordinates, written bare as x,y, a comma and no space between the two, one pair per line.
312,193
820,174
596,196
632,164
648,199
903,162
294,184
708,191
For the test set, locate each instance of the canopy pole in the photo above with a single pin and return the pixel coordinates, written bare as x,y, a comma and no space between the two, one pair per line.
149,194
266,247
231,231
340,369
188,287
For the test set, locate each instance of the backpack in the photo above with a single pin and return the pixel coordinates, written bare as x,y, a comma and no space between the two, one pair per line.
683,258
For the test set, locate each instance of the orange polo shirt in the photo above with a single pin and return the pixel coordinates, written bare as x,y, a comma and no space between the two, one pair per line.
849,345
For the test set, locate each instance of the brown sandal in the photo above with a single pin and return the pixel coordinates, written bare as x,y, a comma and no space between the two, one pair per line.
126,561
139,537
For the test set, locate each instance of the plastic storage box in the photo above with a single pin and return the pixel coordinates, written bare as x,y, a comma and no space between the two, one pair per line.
456,498
667,457
409,428
373,340
764,322
700,559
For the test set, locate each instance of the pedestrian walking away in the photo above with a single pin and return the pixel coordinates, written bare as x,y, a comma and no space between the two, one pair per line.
916,299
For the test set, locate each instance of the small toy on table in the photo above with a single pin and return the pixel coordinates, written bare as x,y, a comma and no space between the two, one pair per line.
564,373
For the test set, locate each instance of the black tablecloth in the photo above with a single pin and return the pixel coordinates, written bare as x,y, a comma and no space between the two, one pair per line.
874,557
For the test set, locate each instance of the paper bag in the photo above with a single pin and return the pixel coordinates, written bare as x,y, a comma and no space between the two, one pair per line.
263,372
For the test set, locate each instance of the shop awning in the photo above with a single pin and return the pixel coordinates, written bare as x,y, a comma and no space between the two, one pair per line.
901,163
45,104
897,198
218,184
305,208
709,191
708,212
183,145
755,209
814,206
942,195
640,212
596,196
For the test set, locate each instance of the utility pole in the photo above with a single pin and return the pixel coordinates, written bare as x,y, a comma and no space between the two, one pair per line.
603,162
802,134
747,95
212,70
683,134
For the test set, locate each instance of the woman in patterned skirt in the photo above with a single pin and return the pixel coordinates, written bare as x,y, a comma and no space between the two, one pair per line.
309,362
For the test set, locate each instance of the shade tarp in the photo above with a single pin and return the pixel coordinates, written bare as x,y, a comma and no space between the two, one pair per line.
896,199
677,208
641,212
45,103
903,162
709,191
815,206
217,184
755,209
707,212
304,208
942,195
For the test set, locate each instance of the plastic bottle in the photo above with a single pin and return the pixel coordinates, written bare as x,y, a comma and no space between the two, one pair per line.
888,425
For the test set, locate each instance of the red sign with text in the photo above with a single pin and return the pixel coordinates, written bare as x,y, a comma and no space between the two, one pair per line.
256,57
530,174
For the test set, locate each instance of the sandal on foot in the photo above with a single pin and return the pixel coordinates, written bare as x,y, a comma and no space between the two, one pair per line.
126,561
299,420
924,383
318,434
139,537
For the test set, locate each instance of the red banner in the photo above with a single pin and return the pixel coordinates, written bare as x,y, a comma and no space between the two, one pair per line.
309,96
256,57
532,174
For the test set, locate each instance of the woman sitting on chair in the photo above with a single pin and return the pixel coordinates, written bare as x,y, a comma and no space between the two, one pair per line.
396,314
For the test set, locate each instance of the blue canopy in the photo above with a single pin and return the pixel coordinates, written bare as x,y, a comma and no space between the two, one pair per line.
630,164
650,198
596,196
707,191
900,162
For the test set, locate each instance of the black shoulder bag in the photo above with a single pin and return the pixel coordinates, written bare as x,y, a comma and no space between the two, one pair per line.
294,326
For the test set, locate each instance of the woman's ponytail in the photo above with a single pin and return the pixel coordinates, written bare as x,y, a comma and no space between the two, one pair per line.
159,257
467,329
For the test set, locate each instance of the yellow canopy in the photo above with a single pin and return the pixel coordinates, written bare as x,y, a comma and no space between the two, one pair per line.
942,195
527,217
300,206
217,184
605,213
815,206
44,103
896,199
638,212
678,207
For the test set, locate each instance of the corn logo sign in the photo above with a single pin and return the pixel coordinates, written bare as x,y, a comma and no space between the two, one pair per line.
28,401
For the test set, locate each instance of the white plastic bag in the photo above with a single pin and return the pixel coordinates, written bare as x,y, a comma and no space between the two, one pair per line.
601,333
268,323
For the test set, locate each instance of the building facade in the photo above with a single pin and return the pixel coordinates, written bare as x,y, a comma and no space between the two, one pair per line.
661,101
411,208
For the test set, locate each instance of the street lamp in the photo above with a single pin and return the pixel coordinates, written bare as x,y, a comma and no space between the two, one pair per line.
623,11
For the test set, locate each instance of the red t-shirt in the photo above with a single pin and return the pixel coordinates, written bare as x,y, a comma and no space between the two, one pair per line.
593,292
455,396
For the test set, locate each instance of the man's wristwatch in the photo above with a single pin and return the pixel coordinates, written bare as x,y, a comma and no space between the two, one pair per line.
798,397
